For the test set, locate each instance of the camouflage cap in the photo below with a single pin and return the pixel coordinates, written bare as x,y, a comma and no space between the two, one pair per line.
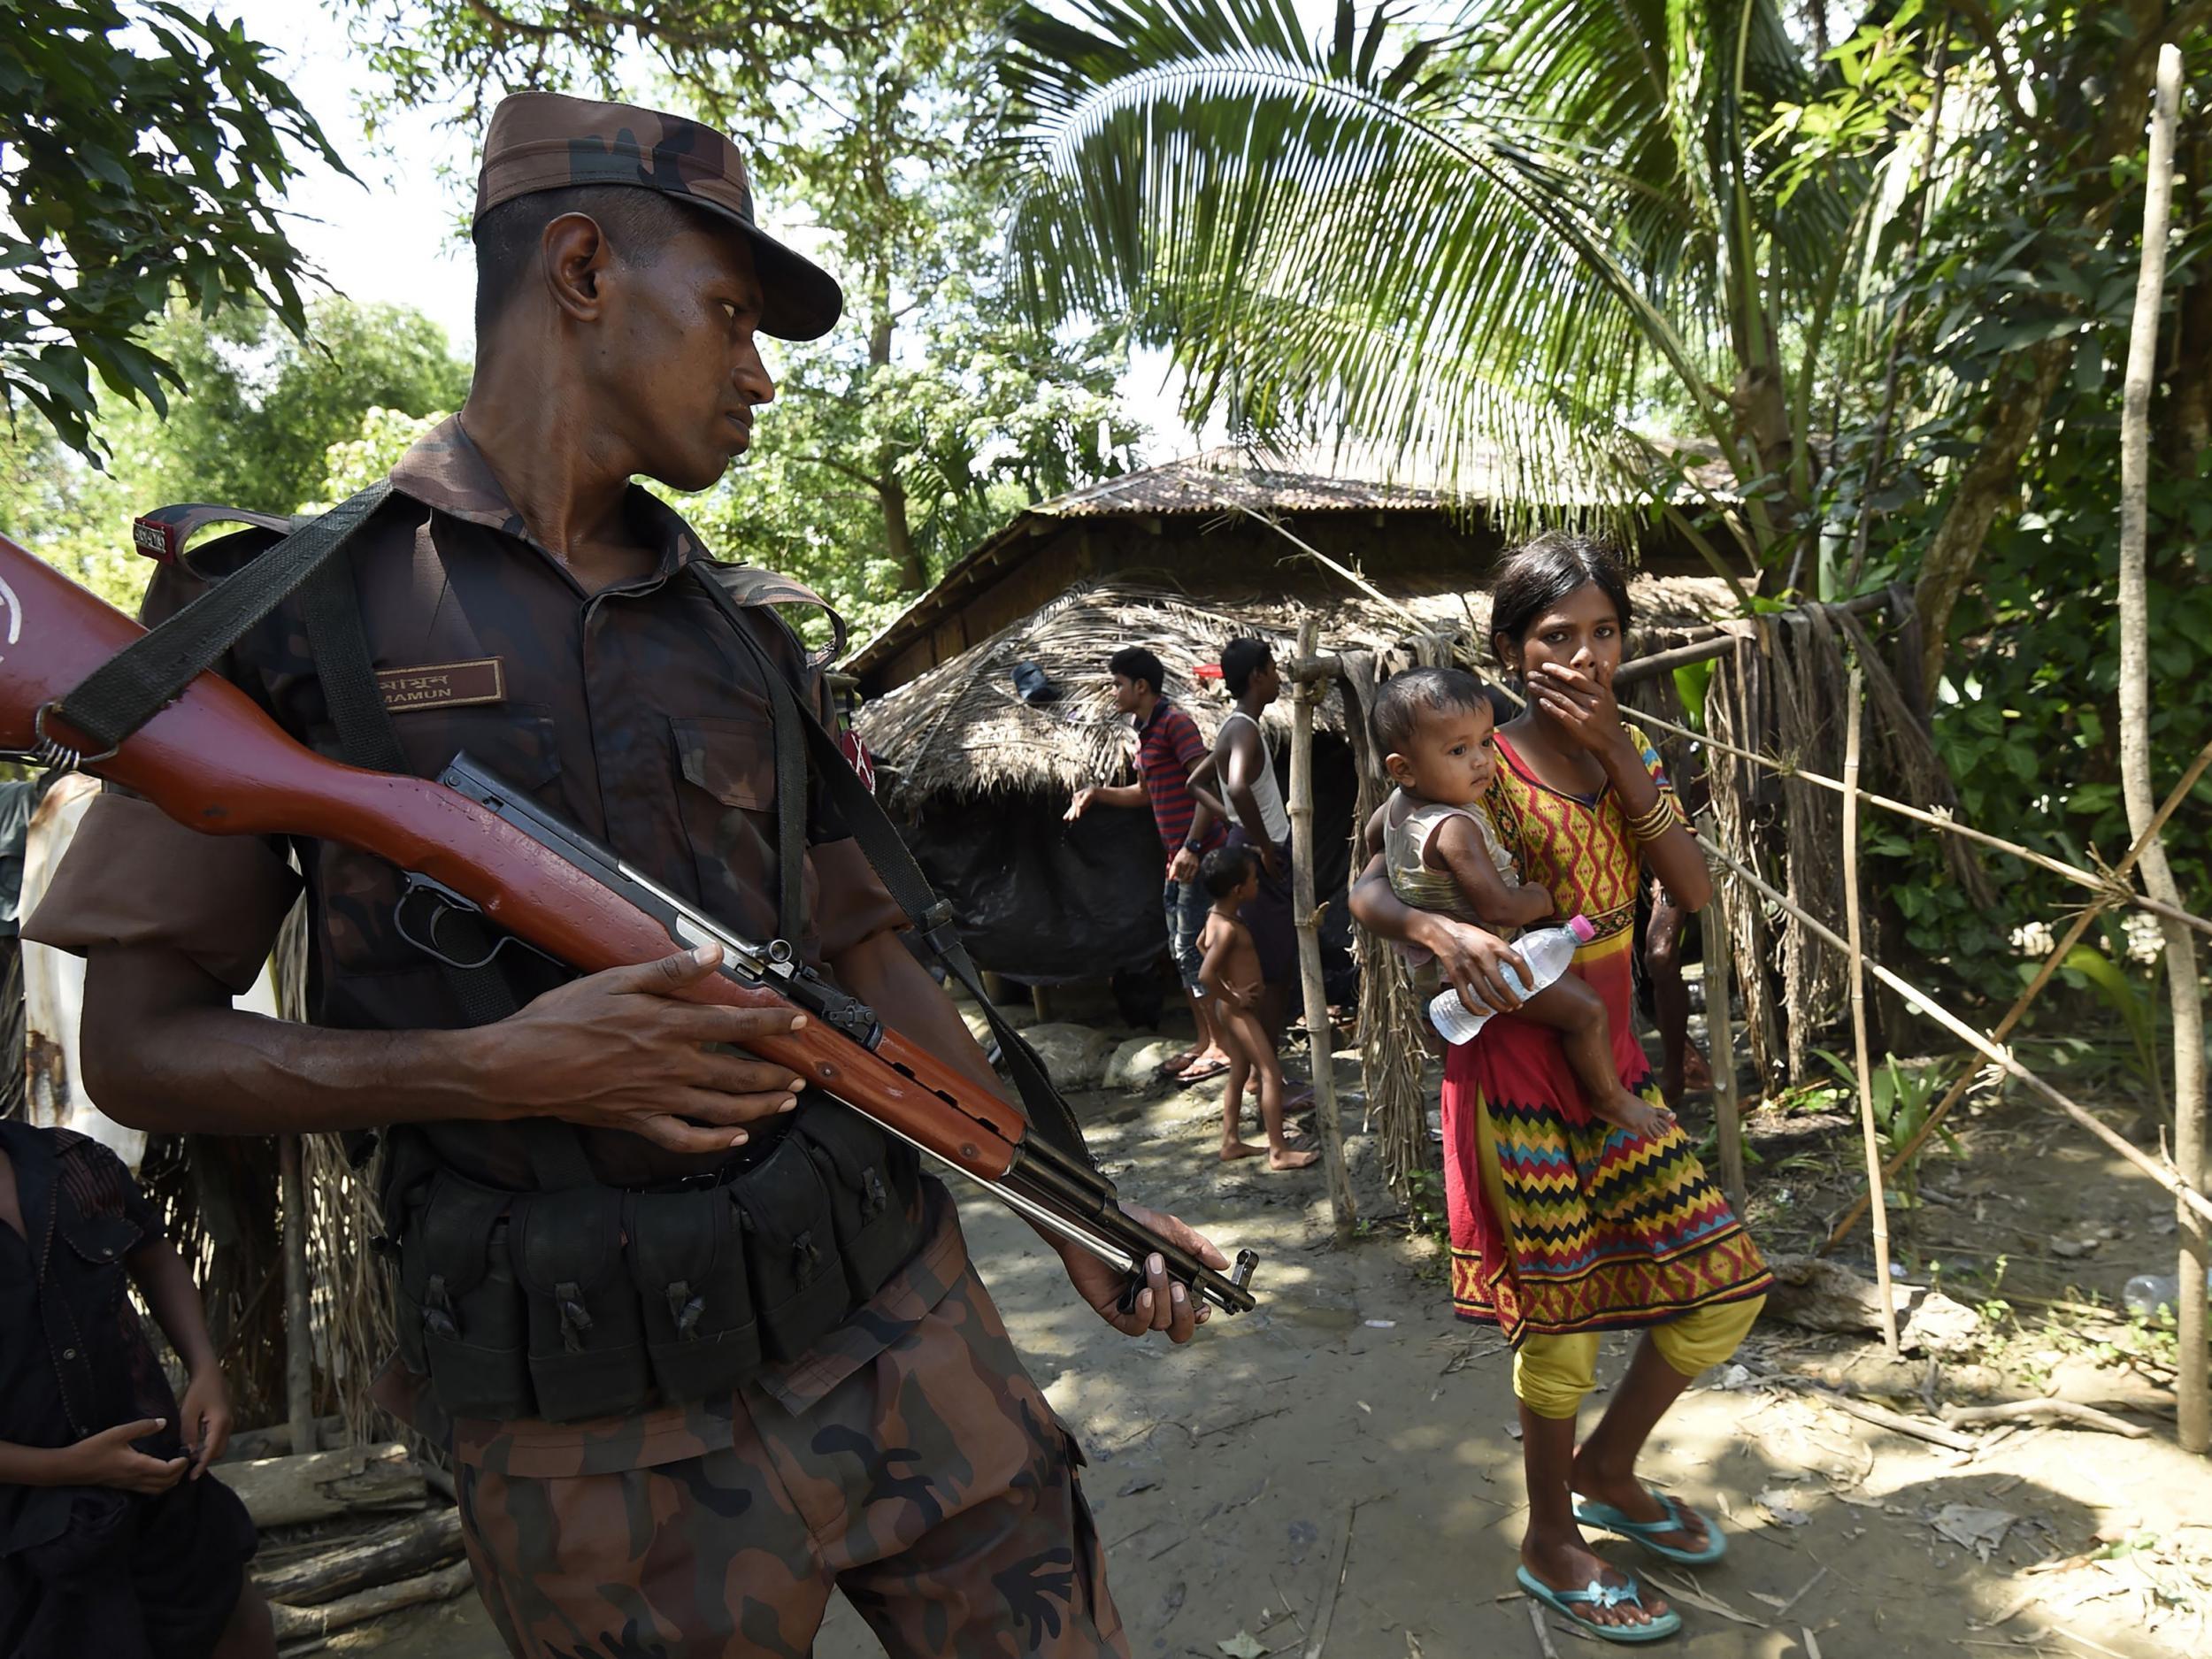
547,141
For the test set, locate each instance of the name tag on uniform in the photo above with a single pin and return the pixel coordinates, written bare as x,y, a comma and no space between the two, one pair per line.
442,685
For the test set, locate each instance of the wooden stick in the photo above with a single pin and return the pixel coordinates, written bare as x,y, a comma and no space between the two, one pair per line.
2051,965
1343,1211
1802,1591
443,1584
1720,1042
2160,1173
1854,712
2193,1392
1881,1416
1536,1624
1318,1635
299,1350
2039,1410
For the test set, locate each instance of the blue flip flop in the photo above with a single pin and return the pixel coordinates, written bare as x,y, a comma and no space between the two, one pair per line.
1599,1593
1644,1533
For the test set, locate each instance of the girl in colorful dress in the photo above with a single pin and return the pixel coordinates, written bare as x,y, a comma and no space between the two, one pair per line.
1563,1226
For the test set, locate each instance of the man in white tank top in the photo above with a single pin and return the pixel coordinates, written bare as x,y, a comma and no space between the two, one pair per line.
1245,765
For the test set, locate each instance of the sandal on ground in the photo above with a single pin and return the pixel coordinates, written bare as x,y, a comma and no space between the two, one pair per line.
1200,1072
1599,1593
1646,1533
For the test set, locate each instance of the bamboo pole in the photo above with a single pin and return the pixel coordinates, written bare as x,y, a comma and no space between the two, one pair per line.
1342,1209
2162,1173
1854,714
299,1354
2192,1393
2052,963
1720,1044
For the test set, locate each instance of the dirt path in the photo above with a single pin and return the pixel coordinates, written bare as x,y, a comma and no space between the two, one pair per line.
1224,1476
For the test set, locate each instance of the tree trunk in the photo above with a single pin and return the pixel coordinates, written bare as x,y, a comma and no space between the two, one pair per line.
2192,1395
1989,487
898,534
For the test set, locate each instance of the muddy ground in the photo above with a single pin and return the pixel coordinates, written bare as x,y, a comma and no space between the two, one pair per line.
1352,1418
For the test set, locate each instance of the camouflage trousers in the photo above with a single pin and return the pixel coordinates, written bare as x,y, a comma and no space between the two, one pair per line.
935,1486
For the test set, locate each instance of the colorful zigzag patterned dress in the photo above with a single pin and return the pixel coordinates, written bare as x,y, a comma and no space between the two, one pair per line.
1559,1221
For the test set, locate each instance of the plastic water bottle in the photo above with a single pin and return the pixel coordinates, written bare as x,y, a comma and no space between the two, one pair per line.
1546,951
2156,1293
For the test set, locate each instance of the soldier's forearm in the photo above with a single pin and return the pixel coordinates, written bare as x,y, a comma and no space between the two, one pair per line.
166,1052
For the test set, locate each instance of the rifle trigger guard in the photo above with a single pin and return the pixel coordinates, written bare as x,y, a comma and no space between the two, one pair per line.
441,902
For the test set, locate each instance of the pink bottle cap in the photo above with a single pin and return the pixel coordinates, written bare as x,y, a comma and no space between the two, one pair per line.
1579,927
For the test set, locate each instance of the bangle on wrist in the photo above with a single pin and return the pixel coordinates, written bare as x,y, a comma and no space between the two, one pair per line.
1650,825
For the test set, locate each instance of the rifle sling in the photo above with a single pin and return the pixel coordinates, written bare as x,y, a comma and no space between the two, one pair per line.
886,853
144,678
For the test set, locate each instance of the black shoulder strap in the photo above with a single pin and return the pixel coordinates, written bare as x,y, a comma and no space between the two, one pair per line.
893,864
331,607
140,681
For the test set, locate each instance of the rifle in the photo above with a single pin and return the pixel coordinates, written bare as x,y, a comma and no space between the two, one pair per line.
215,762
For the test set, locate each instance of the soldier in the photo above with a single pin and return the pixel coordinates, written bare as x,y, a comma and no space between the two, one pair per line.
682,1458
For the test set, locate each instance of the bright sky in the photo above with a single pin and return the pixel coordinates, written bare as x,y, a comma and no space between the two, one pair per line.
396,235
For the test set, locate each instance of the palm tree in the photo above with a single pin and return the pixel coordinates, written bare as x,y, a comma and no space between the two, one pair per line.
1528,231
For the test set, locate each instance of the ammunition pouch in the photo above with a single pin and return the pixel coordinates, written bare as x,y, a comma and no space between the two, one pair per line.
595,1301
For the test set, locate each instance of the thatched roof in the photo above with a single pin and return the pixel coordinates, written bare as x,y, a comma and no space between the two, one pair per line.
1232,481
960,730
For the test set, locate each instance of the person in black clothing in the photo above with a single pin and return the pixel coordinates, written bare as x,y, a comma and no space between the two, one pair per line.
115,1542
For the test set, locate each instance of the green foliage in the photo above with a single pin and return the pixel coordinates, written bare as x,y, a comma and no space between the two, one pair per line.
262,408
265,421
982,421
2133,1007
1901,1097
133,168
76,519
1492,248
929,414
2031,247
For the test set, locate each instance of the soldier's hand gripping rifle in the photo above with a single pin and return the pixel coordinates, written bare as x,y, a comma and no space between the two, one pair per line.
215,762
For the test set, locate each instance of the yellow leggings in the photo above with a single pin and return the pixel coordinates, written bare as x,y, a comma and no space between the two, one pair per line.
1552,1373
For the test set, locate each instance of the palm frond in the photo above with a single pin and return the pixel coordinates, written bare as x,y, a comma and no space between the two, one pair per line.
1479,236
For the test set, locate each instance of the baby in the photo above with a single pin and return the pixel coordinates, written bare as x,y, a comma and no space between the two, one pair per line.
1230,971
1443,854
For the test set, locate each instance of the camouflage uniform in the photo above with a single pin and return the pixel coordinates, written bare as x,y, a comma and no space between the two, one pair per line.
906,1456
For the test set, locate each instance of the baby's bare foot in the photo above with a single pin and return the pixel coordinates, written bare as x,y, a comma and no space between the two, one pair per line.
1638,1117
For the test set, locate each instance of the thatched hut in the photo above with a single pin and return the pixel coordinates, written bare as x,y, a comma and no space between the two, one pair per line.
1180,558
